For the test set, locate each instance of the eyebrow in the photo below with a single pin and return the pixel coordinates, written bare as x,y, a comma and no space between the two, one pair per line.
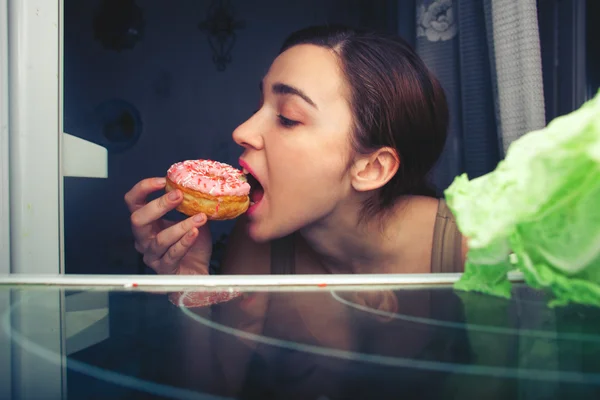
282,88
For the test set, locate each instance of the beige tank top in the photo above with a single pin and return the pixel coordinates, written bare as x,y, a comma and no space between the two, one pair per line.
446,256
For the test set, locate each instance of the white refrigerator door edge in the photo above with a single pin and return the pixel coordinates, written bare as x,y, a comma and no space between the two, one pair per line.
4,153
34,47
34,62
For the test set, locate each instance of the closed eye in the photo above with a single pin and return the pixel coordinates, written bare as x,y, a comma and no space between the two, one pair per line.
286,122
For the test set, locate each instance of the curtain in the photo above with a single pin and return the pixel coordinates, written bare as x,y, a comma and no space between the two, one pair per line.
488,60
513,37
487,57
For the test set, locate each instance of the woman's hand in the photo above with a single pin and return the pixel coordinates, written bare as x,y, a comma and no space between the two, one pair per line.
182,248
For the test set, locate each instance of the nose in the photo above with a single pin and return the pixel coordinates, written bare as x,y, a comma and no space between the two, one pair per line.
247,134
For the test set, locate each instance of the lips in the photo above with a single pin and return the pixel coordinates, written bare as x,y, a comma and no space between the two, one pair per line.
256,189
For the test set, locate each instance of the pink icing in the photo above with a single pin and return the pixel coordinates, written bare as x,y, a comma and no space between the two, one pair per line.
207,176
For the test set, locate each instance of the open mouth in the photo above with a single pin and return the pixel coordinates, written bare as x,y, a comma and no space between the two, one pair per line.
256,190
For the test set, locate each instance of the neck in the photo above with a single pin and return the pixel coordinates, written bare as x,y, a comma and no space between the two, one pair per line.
345,246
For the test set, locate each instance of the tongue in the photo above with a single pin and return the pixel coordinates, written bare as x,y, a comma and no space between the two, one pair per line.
257,195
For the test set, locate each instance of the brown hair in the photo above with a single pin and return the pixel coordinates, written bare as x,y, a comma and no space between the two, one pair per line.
395,100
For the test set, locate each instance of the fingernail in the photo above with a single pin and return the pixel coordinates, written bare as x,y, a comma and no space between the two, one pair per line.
199,218
160,181
173,195
191,233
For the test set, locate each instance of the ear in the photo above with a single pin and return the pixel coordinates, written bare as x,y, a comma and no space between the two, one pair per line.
374,170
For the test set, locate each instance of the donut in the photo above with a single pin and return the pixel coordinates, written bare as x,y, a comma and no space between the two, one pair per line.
216,189
194,299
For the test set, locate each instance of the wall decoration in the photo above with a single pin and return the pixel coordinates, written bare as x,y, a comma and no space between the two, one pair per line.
118,24
117,124
436,20
220,26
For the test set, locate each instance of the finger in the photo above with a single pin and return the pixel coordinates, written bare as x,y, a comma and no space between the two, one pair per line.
142,219
173,256
169,262
136,197
169,237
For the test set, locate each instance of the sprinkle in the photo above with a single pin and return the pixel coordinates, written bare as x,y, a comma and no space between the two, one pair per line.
202,299
322,285
203,175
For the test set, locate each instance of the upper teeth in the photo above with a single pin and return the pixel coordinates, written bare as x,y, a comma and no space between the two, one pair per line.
245,171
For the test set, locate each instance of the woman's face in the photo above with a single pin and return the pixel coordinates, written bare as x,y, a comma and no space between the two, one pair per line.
297,145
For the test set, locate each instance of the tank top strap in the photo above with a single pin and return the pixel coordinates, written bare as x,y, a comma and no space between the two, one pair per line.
446,255
283,256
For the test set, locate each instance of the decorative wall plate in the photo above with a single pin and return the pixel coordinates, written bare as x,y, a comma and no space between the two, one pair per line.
118,125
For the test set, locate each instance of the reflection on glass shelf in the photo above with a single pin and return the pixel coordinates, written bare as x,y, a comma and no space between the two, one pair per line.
341,343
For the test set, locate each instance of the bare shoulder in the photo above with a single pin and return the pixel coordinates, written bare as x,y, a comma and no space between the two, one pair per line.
244,256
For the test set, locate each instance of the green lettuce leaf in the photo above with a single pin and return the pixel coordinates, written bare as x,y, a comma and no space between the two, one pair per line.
540,206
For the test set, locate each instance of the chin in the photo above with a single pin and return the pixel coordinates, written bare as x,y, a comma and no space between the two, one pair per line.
257,234
260,233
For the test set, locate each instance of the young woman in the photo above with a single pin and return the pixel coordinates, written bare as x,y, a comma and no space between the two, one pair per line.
349,125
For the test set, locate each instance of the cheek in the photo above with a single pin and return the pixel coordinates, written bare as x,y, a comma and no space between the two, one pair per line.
303,187
312,183
308,166
323,164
